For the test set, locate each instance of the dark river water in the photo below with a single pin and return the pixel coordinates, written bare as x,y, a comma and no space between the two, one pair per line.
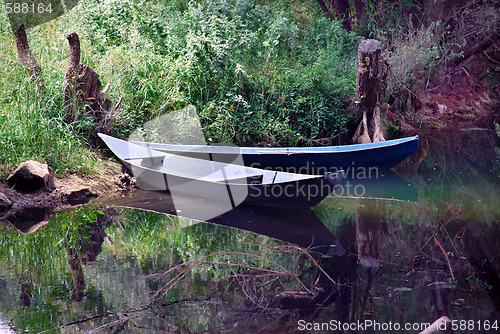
385,254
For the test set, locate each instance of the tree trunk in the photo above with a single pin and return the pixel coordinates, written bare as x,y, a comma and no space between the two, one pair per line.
370,91
360,10
342,8
71,77
82,85
26,57
326,12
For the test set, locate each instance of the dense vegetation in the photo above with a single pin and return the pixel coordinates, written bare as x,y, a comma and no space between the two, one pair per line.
277,73
257,72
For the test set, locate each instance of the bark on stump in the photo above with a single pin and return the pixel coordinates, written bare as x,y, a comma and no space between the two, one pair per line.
71,78
83,87
371,84
81,84
27,58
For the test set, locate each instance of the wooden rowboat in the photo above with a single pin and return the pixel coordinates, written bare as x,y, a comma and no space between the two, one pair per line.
305,160
228,184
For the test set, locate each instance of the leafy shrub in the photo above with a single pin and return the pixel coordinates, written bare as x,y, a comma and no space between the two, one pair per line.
256,73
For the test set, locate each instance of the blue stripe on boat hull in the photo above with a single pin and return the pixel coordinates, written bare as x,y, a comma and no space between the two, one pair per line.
321,162
317,160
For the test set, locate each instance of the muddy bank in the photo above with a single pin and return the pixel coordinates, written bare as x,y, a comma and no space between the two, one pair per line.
66,191
464,99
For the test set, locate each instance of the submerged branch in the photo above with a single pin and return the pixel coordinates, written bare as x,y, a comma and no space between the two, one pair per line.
445,256
303,252
88,319
123,319
186,267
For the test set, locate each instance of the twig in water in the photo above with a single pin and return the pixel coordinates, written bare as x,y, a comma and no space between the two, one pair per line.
123,319
87,319
78,321
303,252
446,257
188,266
440,221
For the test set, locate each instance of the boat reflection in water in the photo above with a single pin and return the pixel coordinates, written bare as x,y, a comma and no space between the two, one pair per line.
386,185
301,227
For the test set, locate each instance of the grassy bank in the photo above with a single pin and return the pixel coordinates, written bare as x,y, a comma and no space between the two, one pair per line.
258,72
277,73
31,124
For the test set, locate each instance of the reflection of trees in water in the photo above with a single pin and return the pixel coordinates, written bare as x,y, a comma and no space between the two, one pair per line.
26,289
396,273
84,243
75,267
433,266
364,237
458,166
449,152
483,256
40,253
371,231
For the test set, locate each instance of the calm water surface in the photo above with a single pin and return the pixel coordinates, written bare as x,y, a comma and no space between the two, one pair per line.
419,243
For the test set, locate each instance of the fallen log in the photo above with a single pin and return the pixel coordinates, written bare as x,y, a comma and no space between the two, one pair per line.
436,326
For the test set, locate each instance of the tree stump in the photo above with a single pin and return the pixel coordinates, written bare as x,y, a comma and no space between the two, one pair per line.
82,87
71,78
26,57
371,84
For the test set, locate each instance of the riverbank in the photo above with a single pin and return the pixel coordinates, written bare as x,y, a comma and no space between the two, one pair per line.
67,191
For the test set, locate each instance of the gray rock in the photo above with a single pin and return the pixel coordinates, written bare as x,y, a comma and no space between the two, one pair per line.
5,202
30,176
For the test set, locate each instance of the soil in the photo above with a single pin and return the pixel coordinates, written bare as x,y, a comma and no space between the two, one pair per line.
465,99
69,190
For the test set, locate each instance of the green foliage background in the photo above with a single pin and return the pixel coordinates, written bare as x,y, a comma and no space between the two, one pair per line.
258,72
277,73
274,73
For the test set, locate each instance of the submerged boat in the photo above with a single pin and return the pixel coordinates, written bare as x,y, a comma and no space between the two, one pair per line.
226,184
304,160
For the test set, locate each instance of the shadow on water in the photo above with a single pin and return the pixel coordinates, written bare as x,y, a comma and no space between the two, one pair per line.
30,219
300,227
414,246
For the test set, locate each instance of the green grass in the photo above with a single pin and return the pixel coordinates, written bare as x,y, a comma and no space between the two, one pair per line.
32,123
274,73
